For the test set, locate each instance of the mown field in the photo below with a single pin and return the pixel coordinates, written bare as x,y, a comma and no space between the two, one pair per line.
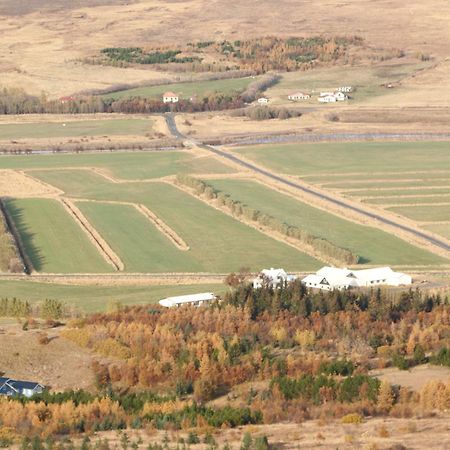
411,179
96,127
128,166
52,240
185,90
372,245
89,298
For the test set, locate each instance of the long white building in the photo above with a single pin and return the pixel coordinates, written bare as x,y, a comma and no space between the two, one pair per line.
193,299
329,278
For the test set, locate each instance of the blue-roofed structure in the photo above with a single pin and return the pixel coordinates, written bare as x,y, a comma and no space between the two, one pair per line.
14,388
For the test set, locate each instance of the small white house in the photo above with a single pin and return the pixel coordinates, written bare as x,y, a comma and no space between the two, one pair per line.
296,96
263,101
327,98
193,299
344,89
170,97
329,278
272,278
340,96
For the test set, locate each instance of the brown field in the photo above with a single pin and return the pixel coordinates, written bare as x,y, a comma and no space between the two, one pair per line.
42,40
373,434
18,184
59,364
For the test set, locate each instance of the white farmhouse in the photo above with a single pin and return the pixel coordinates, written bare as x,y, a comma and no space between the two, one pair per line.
296,96
329,278
327,98
340,96
263,101
193,299
273,278
170,97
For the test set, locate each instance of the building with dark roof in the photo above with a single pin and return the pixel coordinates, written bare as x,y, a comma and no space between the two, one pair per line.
13,388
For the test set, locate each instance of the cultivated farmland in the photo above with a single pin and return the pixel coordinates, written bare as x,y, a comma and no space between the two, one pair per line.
72,128
372,245
52,240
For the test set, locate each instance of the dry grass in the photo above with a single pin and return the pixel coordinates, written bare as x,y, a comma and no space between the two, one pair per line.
42,39
59,364
16,184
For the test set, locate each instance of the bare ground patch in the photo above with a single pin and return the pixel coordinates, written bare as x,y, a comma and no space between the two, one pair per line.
60,364
94,236
18,184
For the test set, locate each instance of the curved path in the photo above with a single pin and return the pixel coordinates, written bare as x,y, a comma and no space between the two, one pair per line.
338,202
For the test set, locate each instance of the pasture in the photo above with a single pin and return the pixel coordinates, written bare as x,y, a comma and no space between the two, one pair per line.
372,245
89,298
185,90
442,229
75,128
427,213
52,240
125,165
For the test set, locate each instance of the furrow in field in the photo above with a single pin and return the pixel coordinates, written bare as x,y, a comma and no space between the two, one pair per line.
102,246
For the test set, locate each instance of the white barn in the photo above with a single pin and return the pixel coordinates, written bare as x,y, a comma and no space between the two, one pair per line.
170,97
193,299
298,96
327,98
273,278
329,278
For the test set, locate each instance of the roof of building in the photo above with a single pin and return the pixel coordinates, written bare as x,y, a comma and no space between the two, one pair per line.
170,94
192,298
293,94
19,385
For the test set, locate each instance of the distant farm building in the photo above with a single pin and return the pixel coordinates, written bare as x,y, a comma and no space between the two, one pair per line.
170,97
332,97
263,101
14,388
329,278
65,100
296,96
193,299
272,278
345,89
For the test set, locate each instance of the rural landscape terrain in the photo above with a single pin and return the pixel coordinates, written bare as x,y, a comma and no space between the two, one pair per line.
153,149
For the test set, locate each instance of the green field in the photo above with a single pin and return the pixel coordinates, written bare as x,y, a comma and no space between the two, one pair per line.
440,228
368,184
408,200
52,239
99,298
139,244
396,192
372,245
185,90
432,213
347,158
96,127
128,166
218,243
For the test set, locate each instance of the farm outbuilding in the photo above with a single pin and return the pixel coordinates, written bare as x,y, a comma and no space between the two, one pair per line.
192,299
296,96
329,278
273,278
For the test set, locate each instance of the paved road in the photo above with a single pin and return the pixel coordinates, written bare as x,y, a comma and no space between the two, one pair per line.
341,203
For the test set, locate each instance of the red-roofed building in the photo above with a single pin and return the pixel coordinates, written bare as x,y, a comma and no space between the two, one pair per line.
170,97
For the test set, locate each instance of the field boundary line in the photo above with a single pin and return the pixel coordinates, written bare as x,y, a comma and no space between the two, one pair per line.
94,236
167,231
401,205
18,244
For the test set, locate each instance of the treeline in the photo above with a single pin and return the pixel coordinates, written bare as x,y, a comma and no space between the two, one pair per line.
47,309
238,209
138,56
9,260
267,113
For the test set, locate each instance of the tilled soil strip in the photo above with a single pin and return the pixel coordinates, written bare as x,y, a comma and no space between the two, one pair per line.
102,246
163,228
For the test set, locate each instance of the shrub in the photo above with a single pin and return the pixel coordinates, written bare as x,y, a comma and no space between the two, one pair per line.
352,418
193,438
